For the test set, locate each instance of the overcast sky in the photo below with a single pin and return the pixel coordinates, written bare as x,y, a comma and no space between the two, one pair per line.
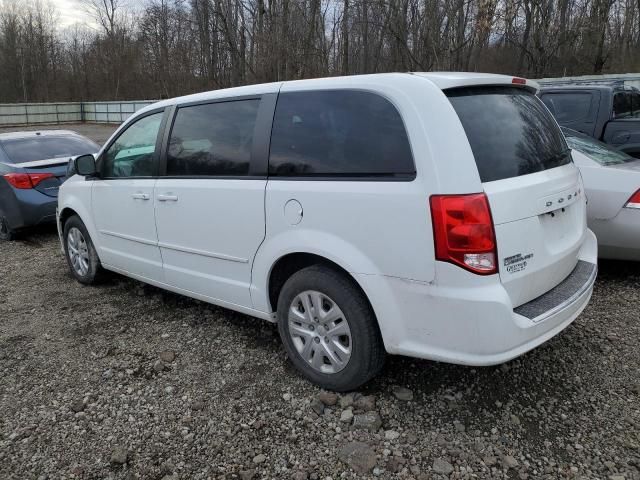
71,11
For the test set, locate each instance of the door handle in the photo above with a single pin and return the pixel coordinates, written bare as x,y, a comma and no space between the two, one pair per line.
141,196
167,198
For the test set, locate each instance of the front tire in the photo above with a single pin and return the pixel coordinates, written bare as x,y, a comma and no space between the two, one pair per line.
329,329
80,252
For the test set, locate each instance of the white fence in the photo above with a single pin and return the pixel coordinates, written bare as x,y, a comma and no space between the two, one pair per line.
16,114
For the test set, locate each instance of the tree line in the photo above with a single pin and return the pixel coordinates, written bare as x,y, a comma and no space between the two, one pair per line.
172,47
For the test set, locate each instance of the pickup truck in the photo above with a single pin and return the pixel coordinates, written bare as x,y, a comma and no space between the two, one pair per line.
609,113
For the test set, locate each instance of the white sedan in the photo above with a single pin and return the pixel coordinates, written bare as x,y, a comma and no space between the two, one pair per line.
612,184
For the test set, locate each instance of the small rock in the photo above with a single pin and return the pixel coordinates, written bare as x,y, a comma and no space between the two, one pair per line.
317,406
347,400
490,460
509,462
391,435
346,416
366,403
286,397
259,458
442,467
167,356
395,464
359,456
370,421
158,366
119,456
402,393
247,474
515,420
77,406
328,398
197,405
299,476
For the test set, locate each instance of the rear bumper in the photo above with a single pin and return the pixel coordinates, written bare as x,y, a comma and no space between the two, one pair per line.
619,237
28,208
472,322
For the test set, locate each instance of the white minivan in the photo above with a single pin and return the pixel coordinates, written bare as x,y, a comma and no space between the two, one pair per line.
434,215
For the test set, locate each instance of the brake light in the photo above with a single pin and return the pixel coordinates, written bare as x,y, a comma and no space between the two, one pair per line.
634,201
26,181
463,232
519,81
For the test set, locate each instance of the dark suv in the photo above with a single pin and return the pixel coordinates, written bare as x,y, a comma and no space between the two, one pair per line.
609,113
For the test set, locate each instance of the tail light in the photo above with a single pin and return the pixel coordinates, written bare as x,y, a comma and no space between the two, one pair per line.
26,181
463,232
634,201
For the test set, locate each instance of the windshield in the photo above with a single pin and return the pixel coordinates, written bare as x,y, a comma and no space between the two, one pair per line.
510,131
598,151
21,150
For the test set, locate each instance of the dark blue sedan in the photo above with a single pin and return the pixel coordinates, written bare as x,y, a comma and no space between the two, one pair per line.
33,165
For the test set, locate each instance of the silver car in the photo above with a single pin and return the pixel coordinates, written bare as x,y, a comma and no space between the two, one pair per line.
612,183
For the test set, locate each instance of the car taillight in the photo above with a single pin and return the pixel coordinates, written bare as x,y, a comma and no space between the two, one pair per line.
25,181
634,201
463,232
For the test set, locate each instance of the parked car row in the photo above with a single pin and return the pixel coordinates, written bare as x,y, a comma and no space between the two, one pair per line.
440,216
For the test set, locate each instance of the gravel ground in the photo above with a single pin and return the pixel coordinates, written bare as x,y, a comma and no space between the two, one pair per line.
127,381
99,133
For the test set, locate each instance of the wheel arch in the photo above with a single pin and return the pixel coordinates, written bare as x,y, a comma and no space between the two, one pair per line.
288,264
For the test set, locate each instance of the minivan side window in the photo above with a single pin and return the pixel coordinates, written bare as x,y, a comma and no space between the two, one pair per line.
213,139
334,133
132,154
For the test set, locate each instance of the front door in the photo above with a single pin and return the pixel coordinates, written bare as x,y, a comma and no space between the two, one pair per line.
123,200
209,205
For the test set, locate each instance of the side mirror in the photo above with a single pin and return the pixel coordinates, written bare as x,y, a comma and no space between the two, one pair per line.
85,165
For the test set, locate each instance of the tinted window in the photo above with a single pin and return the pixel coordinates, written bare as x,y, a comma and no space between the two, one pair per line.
348,133
635,104
132,154
568,107
213,139
621,105
509,130
598,151
30,149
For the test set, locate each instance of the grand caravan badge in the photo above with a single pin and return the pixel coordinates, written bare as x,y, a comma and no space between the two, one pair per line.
517,263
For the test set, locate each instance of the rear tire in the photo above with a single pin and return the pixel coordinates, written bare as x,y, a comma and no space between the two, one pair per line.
334,341
80,253
6,234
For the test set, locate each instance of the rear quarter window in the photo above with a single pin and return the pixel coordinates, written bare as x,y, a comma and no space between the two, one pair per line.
509,130
338,133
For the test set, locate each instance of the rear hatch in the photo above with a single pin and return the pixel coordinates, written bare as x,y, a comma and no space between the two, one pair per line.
534,190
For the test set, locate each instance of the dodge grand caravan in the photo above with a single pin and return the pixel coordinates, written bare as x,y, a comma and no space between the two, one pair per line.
432,215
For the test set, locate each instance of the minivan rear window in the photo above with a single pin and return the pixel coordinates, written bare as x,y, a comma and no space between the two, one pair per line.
510,131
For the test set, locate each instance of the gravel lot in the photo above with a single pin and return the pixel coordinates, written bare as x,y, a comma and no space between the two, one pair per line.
127,381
